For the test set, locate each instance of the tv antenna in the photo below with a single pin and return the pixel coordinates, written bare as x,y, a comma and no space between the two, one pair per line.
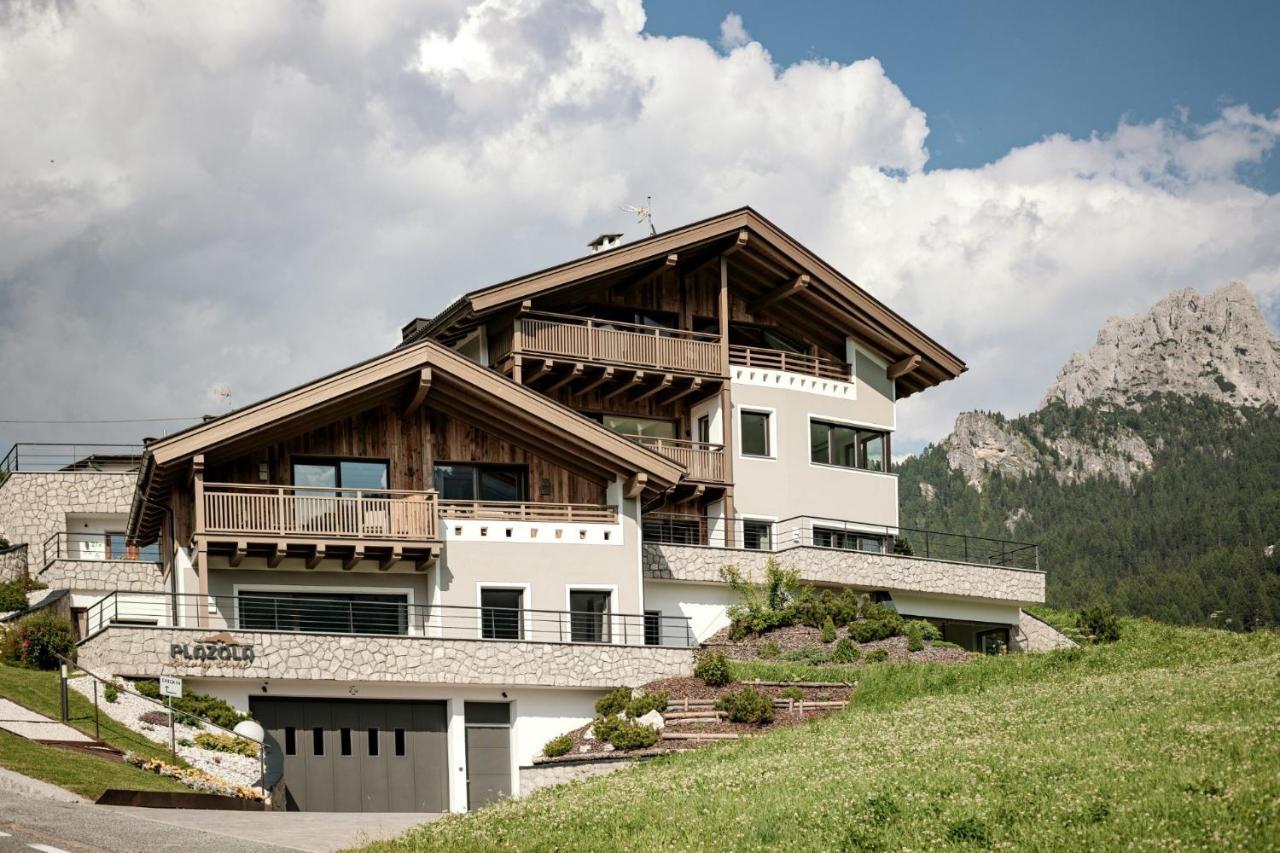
643,214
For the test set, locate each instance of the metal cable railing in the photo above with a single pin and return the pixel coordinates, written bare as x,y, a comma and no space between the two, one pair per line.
70,458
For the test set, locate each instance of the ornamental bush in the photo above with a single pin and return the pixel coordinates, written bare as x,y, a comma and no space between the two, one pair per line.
791,693
557,746
154,718
713,668
1099,624
879,655
641,705
878,628
915,638
769,650
220,742
812,655
828,630
929,632
623,733
747,705
37,641
13,593
194,705
613,702
110,692
846,651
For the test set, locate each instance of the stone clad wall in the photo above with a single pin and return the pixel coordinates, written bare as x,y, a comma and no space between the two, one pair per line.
34,505
13,563
537,776
145,651
123,575
1035,635
856,568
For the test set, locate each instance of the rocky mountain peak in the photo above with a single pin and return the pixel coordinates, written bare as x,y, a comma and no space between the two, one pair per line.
1218,345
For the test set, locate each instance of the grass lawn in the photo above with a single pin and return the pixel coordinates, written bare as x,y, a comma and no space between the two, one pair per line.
1166,739
86,775
38,690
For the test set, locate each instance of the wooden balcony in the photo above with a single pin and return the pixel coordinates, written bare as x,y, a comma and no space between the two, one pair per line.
563,336
290,511
703,461
789,362
521,511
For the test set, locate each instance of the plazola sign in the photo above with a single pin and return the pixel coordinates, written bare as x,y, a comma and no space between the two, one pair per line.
214,648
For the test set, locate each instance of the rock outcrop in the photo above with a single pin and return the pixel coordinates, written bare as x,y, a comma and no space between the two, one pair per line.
1217,345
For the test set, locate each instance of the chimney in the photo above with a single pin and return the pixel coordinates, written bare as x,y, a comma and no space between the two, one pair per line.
604,241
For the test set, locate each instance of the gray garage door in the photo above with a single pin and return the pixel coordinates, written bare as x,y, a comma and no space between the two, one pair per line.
488,752
357,756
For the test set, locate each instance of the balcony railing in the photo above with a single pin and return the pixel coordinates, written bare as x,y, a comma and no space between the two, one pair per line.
627,344
285,511
789,362
521,511
73,458
343,616
839,534
97,547
703,461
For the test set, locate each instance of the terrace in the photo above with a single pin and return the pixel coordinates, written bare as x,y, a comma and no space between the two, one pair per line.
47,457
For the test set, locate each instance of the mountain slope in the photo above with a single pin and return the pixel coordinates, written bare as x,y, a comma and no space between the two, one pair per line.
1150,476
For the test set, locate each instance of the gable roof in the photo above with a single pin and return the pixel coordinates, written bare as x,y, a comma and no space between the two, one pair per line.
832,298
457,385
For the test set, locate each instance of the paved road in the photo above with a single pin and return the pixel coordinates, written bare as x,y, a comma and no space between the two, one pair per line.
33,823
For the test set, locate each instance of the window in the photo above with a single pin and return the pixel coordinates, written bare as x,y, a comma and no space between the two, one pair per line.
323,613
757,535
341,474
468,481
290,740
755,434
317,741
500,614
653,627
373,742
634,425
676,529
399,738
704,429
847,540
848,447
589,616
344,741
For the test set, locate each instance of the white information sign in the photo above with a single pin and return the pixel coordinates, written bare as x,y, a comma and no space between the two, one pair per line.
170,686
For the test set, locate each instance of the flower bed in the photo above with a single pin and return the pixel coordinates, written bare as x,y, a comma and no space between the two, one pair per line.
194,778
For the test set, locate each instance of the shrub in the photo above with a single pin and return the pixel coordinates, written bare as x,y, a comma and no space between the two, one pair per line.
915,638
791,693
624,734
110,692
613,702
219,742
929,632
846,651
641,705
557,746
772,603
813,655
877,628
13,593
828,630
747,705
192,705
841,608
37,641
879,655
1099,624
713,668
154,718
769,650
185,741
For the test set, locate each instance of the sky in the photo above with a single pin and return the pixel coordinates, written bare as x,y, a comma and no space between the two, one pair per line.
203,204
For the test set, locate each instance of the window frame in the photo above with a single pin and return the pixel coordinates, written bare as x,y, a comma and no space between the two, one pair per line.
770,432
477,467
859,431
653,623
525,614
767,523
607,631
336,461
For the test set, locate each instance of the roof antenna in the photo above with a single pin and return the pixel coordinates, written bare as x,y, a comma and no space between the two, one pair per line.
643,214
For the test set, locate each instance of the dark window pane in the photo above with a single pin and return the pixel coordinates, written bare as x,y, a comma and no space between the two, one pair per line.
628,425
704,429
290,740
500,616
588,616
456,482
819,442
362,475
653,627
344,741
317,741
871,453
844,443
400,745
501,484
755,434
324,613
373,741
757,535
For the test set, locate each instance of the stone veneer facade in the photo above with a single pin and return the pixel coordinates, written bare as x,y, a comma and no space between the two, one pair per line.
1036,635
13,563
34,505
702,564
123,575
145,651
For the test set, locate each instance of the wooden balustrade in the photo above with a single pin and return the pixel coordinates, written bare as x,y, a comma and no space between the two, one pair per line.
629,344
703,461
320,513
521,511
789,362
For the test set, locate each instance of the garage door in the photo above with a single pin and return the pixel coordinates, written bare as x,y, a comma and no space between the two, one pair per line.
358,756
488,752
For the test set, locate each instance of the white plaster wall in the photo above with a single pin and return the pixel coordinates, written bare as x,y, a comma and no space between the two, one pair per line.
705,605
967,610
537,715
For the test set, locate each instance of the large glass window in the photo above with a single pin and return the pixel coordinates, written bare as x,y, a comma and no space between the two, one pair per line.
469,481
846,446
341,474
500,614
755,434
847,540
323,612
632,425
757,535
589,615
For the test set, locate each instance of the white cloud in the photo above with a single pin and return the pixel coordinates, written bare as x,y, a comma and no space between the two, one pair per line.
733,33
251,197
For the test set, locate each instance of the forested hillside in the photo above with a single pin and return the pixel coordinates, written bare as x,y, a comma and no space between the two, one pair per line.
1192,537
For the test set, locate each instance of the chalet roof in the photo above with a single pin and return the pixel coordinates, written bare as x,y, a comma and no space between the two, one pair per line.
451,382
766,257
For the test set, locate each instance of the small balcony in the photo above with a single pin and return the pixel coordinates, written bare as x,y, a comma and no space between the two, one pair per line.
628,345
285,512
703,461
99,561
47,457
789,362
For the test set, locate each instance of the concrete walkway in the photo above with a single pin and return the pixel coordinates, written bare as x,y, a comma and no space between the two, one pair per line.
32,726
